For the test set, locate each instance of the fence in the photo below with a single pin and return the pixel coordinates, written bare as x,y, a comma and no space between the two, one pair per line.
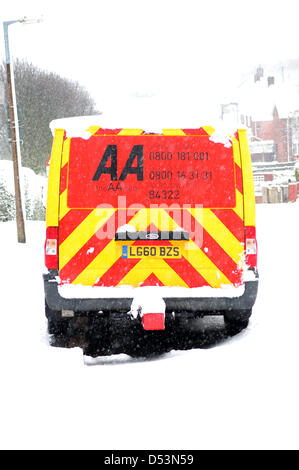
278,193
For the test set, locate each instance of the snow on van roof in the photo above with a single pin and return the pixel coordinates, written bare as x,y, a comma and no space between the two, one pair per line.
78,126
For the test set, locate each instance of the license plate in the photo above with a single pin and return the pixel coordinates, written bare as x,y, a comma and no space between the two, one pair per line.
151,252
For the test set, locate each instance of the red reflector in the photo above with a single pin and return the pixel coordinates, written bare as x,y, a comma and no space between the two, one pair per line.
51,248
250,247
153,321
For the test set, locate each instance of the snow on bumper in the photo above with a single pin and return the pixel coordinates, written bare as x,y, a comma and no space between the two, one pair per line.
150,306
203,299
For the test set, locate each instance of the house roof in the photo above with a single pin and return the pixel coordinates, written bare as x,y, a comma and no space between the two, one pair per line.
258,100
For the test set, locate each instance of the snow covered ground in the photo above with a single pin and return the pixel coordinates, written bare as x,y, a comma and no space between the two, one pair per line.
240,393
34,191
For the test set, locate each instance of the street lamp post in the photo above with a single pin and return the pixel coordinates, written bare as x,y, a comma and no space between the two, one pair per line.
14,130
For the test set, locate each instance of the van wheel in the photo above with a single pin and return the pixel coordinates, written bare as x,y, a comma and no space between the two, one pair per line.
98,337
59,332
68,332
57,327
236,320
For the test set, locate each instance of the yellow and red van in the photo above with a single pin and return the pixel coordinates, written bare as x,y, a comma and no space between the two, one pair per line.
147,228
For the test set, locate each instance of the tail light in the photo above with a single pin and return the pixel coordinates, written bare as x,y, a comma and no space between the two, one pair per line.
250,247
51,248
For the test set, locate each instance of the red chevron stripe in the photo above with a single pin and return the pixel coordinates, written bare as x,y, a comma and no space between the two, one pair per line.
199,131
82,259
182,266
121,267
70,221
117,272
232,221
239,178
187,272
219,257
152,280
63,178
102,131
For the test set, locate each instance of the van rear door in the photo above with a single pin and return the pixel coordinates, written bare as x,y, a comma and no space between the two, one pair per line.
142,209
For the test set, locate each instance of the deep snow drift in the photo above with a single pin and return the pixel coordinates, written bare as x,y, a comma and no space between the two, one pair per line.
239,393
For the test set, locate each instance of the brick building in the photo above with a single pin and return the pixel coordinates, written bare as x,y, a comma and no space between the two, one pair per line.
270,111
281,131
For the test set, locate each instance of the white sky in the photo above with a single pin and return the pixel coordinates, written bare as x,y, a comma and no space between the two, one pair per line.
187,51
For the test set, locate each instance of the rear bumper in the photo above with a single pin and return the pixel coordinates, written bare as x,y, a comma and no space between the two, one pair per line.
177,304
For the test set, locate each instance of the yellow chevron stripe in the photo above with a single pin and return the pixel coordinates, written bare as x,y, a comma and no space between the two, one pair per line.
130,132
136,275
140,272
173,132
63,208
248,186
207,269
199,260
105,259
236,152
66,152
52,212
209,130
82,233
239,210
156,216
108,256
168,276
220,233
93,129
161,219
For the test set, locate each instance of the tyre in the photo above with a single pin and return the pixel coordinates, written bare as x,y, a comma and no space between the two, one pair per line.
237,320
98,337
57,328
59,332
65,332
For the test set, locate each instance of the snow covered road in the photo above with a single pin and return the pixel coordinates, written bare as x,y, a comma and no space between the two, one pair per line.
241,393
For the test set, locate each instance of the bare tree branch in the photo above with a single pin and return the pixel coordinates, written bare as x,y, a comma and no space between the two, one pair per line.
42,96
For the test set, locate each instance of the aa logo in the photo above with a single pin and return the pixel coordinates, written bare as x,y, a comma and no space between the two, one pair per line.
108,164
